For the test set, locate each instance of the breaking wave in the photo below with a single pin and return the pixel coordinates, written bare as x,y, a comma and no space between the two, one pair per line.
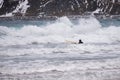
43,49
89,30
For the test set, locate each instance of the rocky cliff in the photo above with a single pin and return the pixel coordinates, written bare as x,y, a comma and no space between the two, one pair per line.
58,7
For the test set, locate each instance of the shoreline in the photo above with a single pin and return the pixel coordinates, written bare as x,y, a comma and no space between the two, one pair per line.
56,17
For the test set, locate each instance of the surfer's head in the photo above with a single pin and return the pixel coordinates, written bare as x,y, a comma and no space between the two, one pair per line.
80,41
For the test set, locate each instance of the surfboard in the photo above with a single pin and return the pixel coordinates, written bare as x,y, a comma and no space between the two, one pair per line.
71,42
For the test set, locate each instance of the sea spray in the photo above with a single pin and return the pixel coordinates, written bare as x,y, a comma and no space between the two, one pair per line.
41,52
90,30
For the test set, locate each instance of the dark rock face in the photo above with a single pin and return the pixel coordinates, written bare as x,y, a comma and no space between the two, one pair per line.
8,6
58,7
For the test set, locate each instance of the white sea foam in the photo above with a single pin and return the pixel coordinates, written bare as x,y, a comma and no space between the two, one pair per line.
66,66
58,35
89,30
43,49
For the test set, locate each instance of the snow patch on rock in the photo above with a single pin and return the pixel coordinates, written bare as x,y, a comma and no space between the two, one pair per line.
22,7
96,11
46,3
1,3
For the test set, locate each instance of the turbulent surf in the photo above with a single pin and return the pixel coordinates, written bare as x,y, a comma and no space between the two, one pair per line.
33,50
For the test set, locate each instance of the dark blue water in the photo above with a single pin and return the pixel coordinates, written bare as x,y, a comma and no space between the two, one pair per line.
21,23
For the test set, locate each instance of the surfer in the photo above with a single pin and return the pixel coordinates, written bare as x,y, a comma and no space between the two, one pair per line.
80,41
74,42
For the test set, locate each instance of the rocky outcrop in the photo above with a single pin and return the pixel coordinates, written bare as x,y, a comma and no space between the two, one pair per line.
58,7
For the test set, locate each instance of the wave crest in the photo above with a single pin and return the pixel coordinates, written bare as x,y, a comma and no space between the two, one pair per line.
89,30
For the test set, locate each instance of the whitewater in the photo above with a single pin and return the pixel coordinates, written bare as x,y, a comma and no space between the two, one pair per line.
41,49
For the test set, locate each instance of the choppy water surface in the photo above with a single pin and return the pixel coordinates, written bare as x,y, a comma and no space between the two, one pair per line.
42,50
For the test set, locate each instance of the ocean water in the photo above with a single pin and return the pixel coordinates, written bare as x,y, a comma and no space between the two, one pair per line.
43,50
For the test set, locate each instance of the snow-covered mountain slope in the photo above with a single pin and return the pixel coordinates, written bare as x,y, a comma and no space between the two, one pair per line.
58,7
